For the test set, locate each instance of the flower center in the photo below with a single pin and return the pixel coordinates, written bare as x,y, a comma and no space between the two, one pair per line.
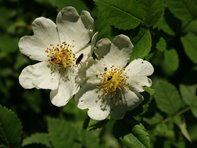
61,54
112,80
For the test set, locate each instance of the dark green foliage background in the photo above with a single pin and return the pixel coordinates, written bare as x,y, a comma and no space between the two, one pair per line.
163,32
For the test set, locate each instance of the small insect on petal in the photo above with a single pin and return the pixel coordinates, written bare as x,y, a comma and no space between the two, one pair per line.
79,58
109,78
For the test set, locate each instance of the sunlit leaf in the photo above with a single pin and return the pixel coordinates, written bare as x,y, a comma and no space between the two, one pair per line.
101,25
189,42
142,44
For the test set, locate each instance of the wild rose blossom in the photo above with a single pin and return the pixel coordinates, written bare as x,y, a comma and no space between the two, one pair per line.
113,85
58,48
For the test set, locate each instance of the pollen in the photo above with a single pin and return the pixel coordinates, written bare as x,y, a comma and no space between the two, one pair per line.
61,54
112,80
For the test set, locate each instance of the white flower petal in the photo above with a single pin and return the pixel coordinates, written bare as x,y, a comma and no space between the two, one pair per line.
39,76
119,52
65,91
129,101
102,47
137,83
93,71
88,97
82,73
71,28
133,99
140,67
87,19
97,113
45,33
137,72
85,52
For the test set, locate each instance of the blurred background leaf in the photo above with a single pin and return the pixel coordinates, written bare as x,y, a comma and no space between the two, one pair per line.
10,128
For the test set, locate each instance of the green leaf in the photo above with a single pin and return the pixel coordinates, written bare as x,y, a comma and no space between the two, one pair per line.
154,120
188,94
37,138
161,44
138,138
165,129
154,10
167,97
194,109
6,14
101,25
89,139
10,128
193,131
51,2
164,26
8,44
62,134
171,59
78,4
189,42
182,126
185,10
142,44
192,27
124,15
121,14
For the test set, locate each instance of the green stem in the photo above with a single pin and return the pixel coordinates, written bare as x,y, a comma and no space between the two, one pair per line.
177,114
86,123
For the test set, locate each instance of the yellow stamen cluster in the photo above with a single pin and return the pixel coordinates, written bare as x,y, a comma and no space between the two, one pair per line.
112,80
61,54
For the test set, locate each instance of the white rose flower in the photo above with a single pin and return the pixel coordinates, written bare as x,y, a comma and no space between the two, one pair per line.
59,48
112,85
